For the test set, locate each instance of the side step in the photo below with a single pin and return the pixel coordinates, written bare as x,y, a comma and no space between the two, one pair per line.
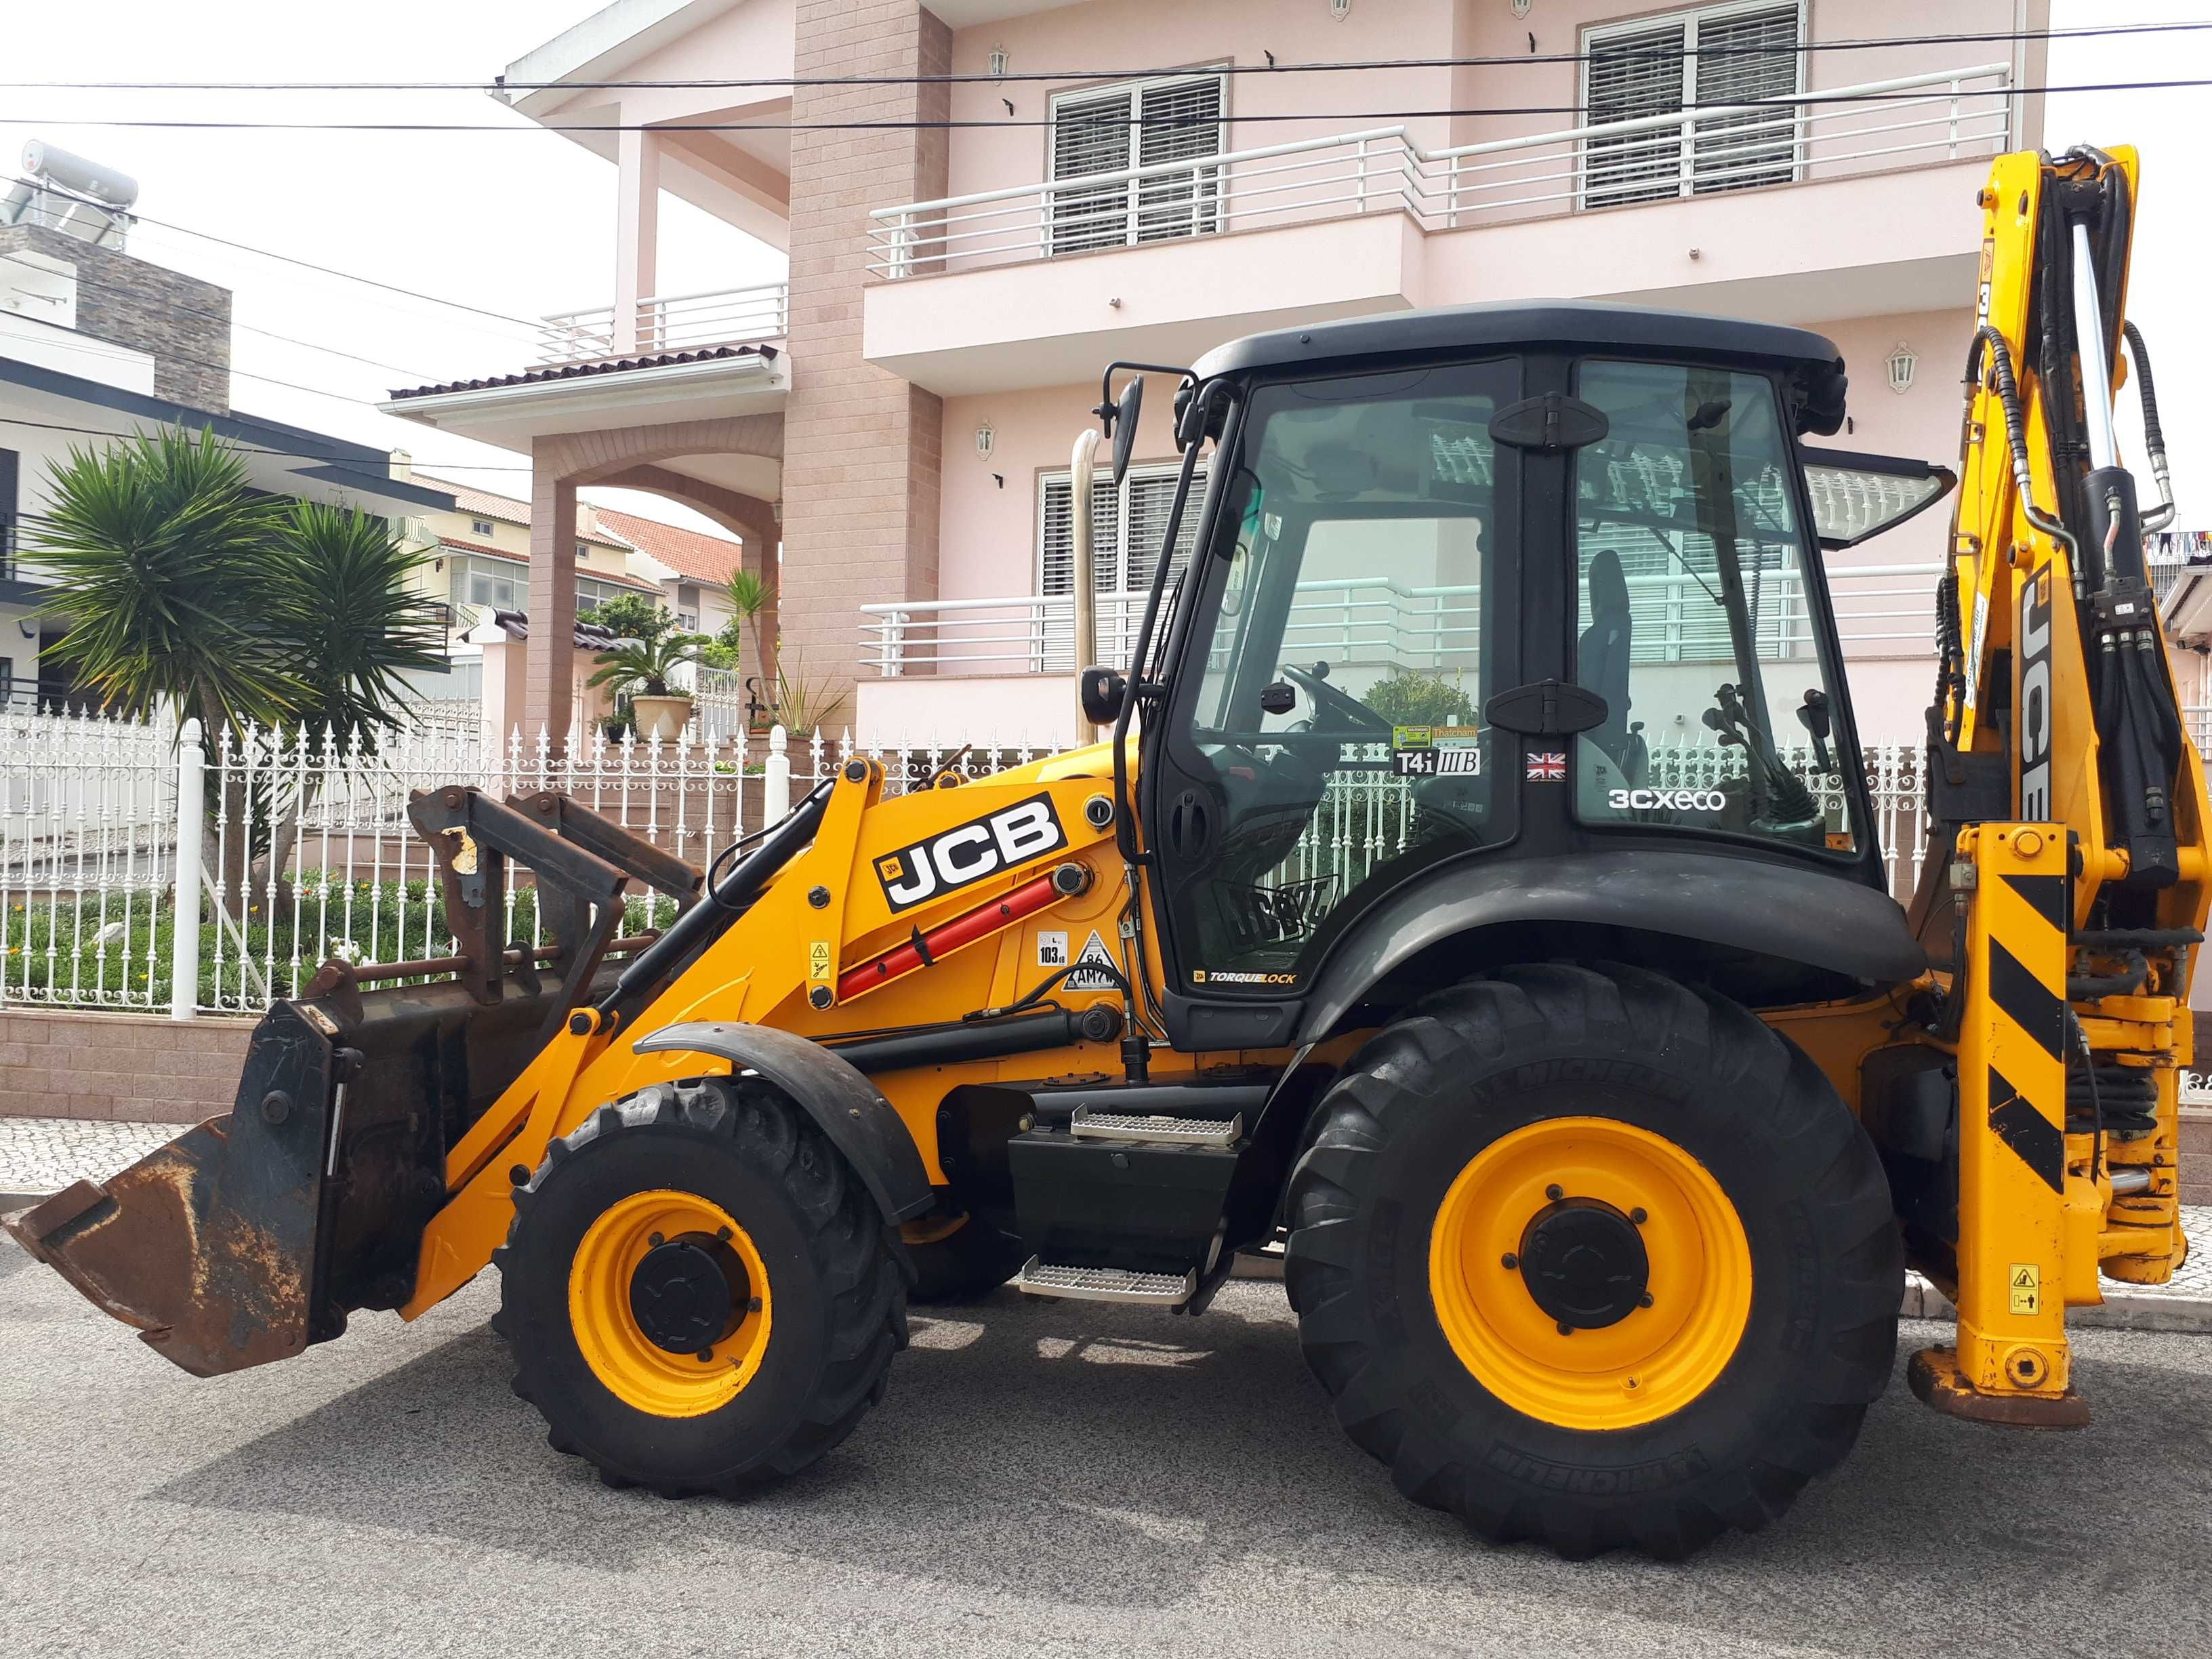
1041,1277
1088,1125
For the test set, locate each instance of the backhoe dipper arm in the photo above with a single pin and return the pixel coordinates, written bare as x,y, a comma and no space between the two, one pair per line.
2074,886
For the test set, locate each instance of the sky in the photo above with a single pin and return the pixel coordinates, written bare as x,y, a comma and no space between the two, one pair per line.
521,222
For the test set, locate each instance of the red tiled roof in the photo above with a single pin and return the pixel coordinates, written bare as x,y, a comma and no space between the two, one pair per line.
578,371
690,553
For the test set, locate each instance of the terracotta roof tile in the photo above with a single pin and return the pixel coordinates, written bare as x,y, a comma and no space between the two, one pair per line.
579,371
689,553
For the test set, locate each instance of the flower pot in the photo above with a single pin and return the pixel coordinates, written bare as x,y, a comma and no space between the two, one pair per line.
664,718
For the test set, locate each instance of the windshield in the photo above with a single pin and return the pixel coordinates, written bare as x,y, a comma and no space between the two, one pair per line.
1695,620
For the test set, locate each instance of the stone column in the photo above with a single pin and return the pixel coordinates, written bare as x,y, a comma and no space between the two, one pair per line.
861,446
552,646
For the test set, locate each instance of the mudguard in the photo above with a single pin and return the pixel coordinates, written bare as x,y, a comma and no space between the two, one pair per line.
844,1105
1791,913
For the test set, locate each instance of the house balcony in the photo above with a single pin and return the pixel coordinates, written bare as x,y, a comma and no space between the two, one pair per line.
1759,209
678,360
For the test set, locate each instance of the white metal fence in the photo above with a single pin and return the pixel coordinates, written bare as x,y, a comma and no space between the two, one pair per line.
1943,116
295,851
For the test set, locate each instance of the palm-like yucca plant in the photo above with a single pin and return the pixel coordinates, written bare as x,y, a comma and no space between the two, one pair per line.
641,668
342,602
749,598
157,551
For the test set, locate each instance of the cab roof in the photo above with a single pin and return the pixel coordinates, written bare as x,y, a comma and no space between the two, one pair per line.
1579,324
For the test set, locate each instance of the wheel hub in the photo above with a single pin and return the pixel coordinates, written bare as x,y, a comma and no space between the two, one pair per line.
1584,1263
681,1295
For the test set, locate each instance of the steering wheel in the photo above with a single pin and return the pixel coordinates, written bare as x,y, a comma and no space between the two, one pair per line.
1340,704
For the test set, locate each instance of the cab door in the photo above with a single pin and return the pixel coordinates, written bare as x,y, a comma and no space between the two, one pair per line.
1323,742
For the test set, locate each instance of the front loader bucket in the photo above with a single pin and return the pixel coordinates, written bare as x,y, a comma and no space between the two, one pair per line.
248,1237
208,1245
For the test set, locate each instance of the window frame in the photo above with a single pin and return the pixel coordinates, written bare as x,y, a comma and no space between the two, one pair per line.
482,527
1205,207
1595,35
1139,472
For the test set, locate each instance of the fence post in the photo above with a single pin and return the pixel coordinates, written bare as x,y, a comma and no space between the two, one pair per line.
776,801
185,941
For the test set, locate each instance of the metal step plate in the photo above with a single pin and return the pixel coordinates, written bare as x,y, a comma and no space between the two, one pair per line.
1041,1277
1087,1125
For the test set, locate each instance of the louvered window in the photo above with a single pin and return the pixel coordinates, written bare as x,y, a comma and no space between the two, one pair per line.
1657,67
1137,125
1127,528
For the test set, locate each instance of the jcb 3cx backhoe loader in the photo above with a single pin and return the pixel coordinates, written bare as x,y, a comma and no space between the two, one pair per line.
1570,1041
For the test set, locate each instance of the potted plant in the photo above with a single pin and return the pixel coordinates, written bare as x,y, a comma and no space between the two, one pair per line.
643,671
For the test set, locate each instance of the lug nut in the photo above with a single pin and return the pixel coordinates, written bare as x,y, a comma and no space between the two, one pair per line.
655,1240
1555,1192
721,1232
1565,1329
1645,1300
1509,1261
706,1356
1638,1217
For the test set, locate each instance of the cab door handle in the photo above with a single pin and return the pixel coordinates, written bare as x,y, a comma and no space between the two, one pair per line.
1190,827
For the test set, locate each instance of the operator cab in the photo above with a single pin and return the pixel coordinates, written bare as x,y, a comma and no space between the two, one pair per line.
1491,585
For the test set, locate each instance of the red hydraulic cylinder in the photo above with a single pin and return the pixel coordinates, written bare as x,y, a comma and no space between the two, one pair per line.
923,950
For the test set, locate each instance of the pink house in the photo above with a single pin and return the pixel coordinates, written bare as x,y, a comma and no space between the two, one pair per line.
986,201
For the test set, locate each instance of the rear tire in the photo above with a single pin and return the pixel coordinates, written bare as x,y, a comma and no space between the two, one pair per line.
815,1307
1772,1248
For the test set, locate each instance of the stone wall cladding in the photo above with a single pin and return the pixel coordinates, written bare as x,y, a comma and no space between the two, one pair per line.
182,322
861,484
142,1068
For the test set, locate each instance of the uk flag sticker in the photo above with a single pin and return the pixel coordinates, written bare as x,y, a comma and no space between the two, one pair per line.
1548,767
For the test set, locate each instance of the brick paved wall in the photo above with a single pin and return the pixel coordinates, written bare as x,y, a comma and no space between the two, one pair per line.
183,321
145,1068
861,446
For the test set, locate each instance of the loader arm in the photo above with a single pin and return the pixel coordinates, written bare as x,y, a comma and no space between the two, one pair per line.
2065,885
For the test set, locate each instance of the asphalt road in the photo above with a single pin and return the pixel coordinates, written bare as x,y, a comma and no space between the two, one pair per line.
1041,1479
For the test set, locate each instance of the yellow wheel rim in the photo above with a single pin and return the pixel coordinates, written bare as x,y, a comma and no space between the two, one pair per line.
637,1371
1654,1360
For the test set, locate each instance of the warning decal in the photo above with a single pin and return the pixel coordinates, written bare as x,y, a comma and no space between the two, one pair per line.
819,969
2026,1285
1088,975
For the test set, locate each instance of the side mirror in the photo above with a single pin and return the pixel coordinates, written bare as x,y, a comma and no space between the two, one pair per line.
1102,691
1124,425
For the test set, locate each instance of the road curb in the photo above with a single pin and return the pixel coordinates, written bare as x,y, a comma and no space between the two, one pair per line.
2121,1310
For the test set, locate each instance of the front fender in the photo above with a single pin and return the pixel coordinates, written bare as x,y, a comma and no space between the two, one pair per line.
1784,911
844,1105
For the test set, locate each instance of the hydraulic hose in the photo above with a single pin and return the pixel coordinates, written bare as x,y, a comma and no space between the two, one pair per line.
2153,434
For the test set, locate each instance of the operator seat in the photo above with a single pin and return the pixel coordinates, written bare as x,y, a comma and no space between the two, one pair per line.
1601,664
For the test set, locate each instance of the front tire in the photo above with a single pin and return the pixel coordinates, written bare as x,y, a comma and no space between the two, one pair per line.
699,1295
1589,1258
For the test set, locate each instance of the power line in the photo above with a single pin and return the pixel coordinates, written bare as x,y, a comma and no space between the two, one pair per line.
501,83
167,356
229,321
266,253
1163,122
249,449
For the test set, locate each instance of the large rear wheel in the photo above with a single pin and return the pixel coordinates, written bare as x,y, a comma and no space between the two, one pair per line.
698,1294
1587,1257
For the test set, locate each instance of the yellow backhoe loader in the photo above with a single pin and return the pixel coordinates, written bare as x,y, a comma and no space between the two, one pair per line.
1478,894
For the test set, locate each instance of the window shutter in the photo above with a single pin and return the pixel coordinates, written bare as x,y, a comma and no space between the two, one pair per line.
1631,77
1742,59
1090,135
1151,498
1179,121
1056,535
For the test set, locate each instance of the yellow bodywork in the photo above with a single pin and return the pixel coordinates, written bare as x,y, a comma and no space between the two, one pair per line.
764,969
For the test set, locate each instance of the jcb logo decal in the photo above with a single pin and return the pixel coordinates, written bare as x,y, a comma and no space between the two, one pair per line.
968,852
2035,710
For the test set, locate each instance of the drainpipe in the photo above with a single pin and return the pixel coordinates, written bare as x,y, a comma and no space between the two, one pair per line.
1083,600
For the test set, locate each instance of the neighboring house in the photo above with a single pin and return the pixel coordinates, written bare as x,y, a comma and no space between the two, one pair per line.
966,253
477,561
96,344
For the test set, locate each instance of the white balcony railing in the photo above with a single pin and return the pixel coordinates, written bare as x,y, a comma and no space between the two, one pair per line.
1882,611
1946,115
675,322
